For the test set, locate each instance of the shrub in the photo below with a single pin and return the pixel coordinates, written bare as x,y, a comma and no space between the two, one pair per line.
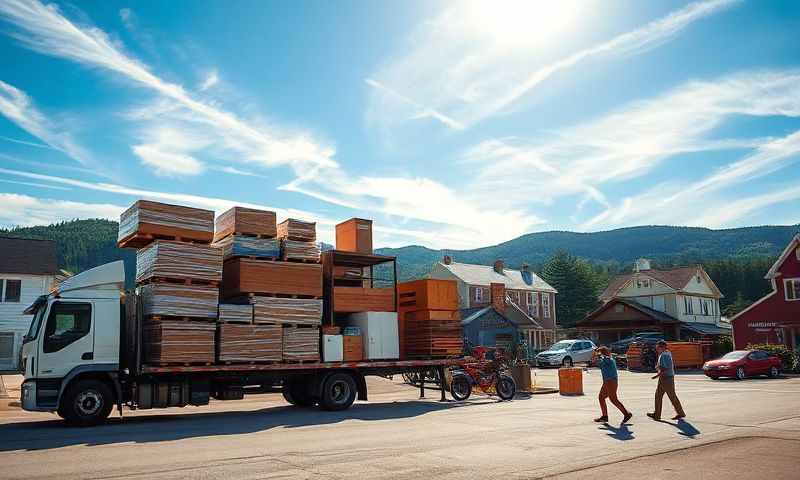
722,345
787,356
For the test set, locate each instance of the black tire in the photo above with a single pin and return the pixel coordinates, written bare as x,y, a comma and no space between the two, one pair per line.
460,388
506,388
740,373
567,362
86,403
296,393
774,372
338,392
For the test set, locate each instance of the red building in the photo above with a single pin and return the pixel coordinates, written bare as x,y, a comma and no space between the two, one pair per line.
776,317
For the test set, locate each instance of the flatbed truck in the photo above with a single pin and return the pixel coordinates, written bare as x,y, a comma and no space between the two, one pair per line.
82,356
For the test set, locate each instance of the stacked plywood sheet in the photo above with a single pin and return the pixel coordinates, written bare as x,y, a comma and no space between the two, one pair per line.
287,311
254,247
430,322
232,313
360,299
301,344
248,276
245,221
177,260
293,229
178,300
178,342
146,221
250,343
299,251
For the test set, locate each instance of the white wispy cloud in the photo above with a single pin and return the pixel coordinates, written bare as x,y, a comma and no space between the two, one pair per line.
18,107
24,210
212,78
34,184
476,59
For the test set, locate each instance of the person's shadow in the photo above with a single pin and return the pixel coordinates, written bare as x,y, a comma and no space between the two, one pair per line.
621,433
686,428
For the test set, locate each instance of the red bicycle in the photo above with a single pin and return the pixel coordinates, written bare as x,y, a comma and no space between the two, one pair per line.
488,371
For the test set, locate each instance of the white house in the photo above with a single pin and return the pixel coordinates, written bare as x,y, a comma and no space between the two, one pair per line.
28,269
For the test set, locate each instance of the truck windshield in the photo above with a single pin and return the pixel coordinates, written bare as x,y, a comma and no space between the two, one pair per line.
36,323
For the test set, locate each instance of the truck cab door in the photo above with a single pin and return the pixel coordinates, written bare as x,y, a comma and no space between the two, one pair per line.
67,340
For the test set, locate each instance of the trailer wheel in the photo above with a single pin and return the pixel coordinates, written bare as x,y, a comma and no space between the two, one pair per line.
296,393
338,392
86,403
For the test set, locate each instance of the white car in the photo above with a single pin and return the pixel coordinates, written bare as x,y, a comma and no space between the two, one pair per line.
566,353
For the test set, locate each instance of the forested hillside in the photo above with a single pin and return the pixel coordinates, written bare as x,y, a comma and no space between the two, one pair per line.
579,265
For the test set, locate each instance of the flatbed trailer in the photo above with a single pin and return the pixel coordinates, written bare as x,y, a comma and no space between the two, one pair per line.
84,355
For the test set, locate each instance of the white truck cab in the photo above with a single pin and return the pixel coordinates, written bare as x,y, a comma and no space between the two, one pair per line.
72,346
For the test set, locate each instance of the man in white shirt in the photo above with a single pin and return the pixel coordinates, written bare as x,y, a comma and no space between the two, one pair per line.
666,383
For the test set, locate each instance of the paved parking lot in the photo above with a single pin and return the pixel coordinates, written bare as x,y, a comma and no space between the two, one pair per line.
395,435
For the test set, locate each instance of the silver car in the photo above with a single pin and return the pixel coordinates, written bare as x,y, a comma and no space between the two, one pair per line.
566,353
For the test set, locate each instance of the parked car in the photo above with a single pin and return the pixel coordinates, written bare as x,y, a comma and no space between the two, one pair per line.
743,363
620,347
566,353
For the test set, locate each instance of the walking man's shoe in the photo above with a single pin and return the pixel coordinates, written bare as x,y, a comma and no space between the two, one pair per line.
627,417
653,416
601,419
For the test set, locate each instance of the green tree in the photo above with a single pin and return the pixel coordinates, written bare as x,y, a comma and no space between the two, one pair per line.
577,285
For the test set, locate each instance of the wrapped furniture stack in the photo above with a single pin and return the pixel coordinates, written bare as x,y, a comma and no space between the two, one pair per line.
360,291
282,299
177,277
430,325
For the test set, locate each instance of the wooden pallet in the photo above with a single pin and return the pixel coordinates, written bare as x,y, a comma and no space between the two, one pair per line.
180,281
139,240
299,260
178,318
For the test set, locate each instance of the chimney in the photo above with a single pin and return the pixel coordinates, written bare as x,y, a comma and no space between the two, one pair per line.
498,292
641,265
447,260
498,266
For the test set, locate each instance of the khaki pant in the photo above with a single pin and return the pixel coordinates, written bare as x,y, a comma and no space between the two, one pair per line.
667,385
609,391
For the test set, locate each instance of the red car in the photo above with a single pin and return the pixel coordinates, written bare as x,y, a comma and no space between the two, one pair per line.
743,363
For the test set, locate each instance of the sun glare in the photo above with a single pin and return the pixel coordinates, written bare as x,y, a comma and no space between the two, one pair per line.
521,23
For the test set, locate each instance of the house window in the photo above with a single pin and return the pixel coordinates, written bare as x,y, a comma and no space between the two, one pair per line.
704,306
12,291
687,304
546,305
619,308
533,304
478,295
791,287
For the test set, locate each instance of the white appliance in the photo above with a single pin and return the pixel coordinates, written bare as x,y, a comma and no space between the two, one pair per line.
379,330
332,348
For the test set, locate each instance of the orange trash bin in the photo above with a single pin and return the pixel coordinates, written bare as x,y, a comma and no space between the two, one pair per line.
570,381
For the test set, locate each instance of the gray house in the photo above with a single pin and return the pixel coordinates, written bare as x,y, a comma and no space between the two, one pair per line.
28,268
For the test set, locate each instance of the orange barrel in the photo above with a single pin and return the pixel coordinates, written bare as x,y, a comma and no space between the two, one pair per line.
570,381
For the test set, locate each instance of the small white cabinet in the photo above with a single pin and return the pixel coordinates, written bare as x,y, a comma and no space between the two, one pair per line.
332,348
379,331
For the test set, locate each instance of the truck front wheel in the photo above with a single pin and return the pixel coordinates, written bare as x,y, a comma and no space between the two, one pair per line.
338,392
86,402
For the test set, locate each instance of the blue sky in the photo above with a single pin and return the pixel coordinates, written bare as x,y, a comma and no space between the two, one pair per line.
451,124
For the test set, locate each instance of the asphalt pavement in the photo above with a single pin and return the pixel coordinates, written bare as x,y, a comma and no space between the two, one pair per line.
396,435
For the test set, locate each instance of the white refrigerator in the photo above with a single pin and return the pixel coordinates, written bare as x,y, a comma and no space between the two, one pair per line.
379,331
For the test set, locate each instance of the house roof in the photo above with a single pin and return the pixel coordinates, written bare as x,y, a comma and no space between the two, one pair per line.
27,256
485,275
514,315
773,270
650,312
706,328
675,278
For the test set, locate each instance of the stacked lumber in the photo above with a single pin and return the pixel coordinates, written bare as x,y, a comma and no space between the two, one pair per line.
146,221
232,313
686,354
178,342
301,344
293,229
177,300
243,246
359,299
242,276
287,311
300,251
245,221
430,322
250,343
165,259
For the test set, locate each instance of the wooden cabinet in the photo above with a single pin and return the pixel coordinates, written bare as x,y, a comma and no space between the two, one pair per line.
427,294
354,235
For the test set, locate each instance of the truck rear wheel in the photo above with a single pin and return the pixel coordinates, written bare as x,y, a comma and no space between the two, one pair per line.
338,392
296,393
86,403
